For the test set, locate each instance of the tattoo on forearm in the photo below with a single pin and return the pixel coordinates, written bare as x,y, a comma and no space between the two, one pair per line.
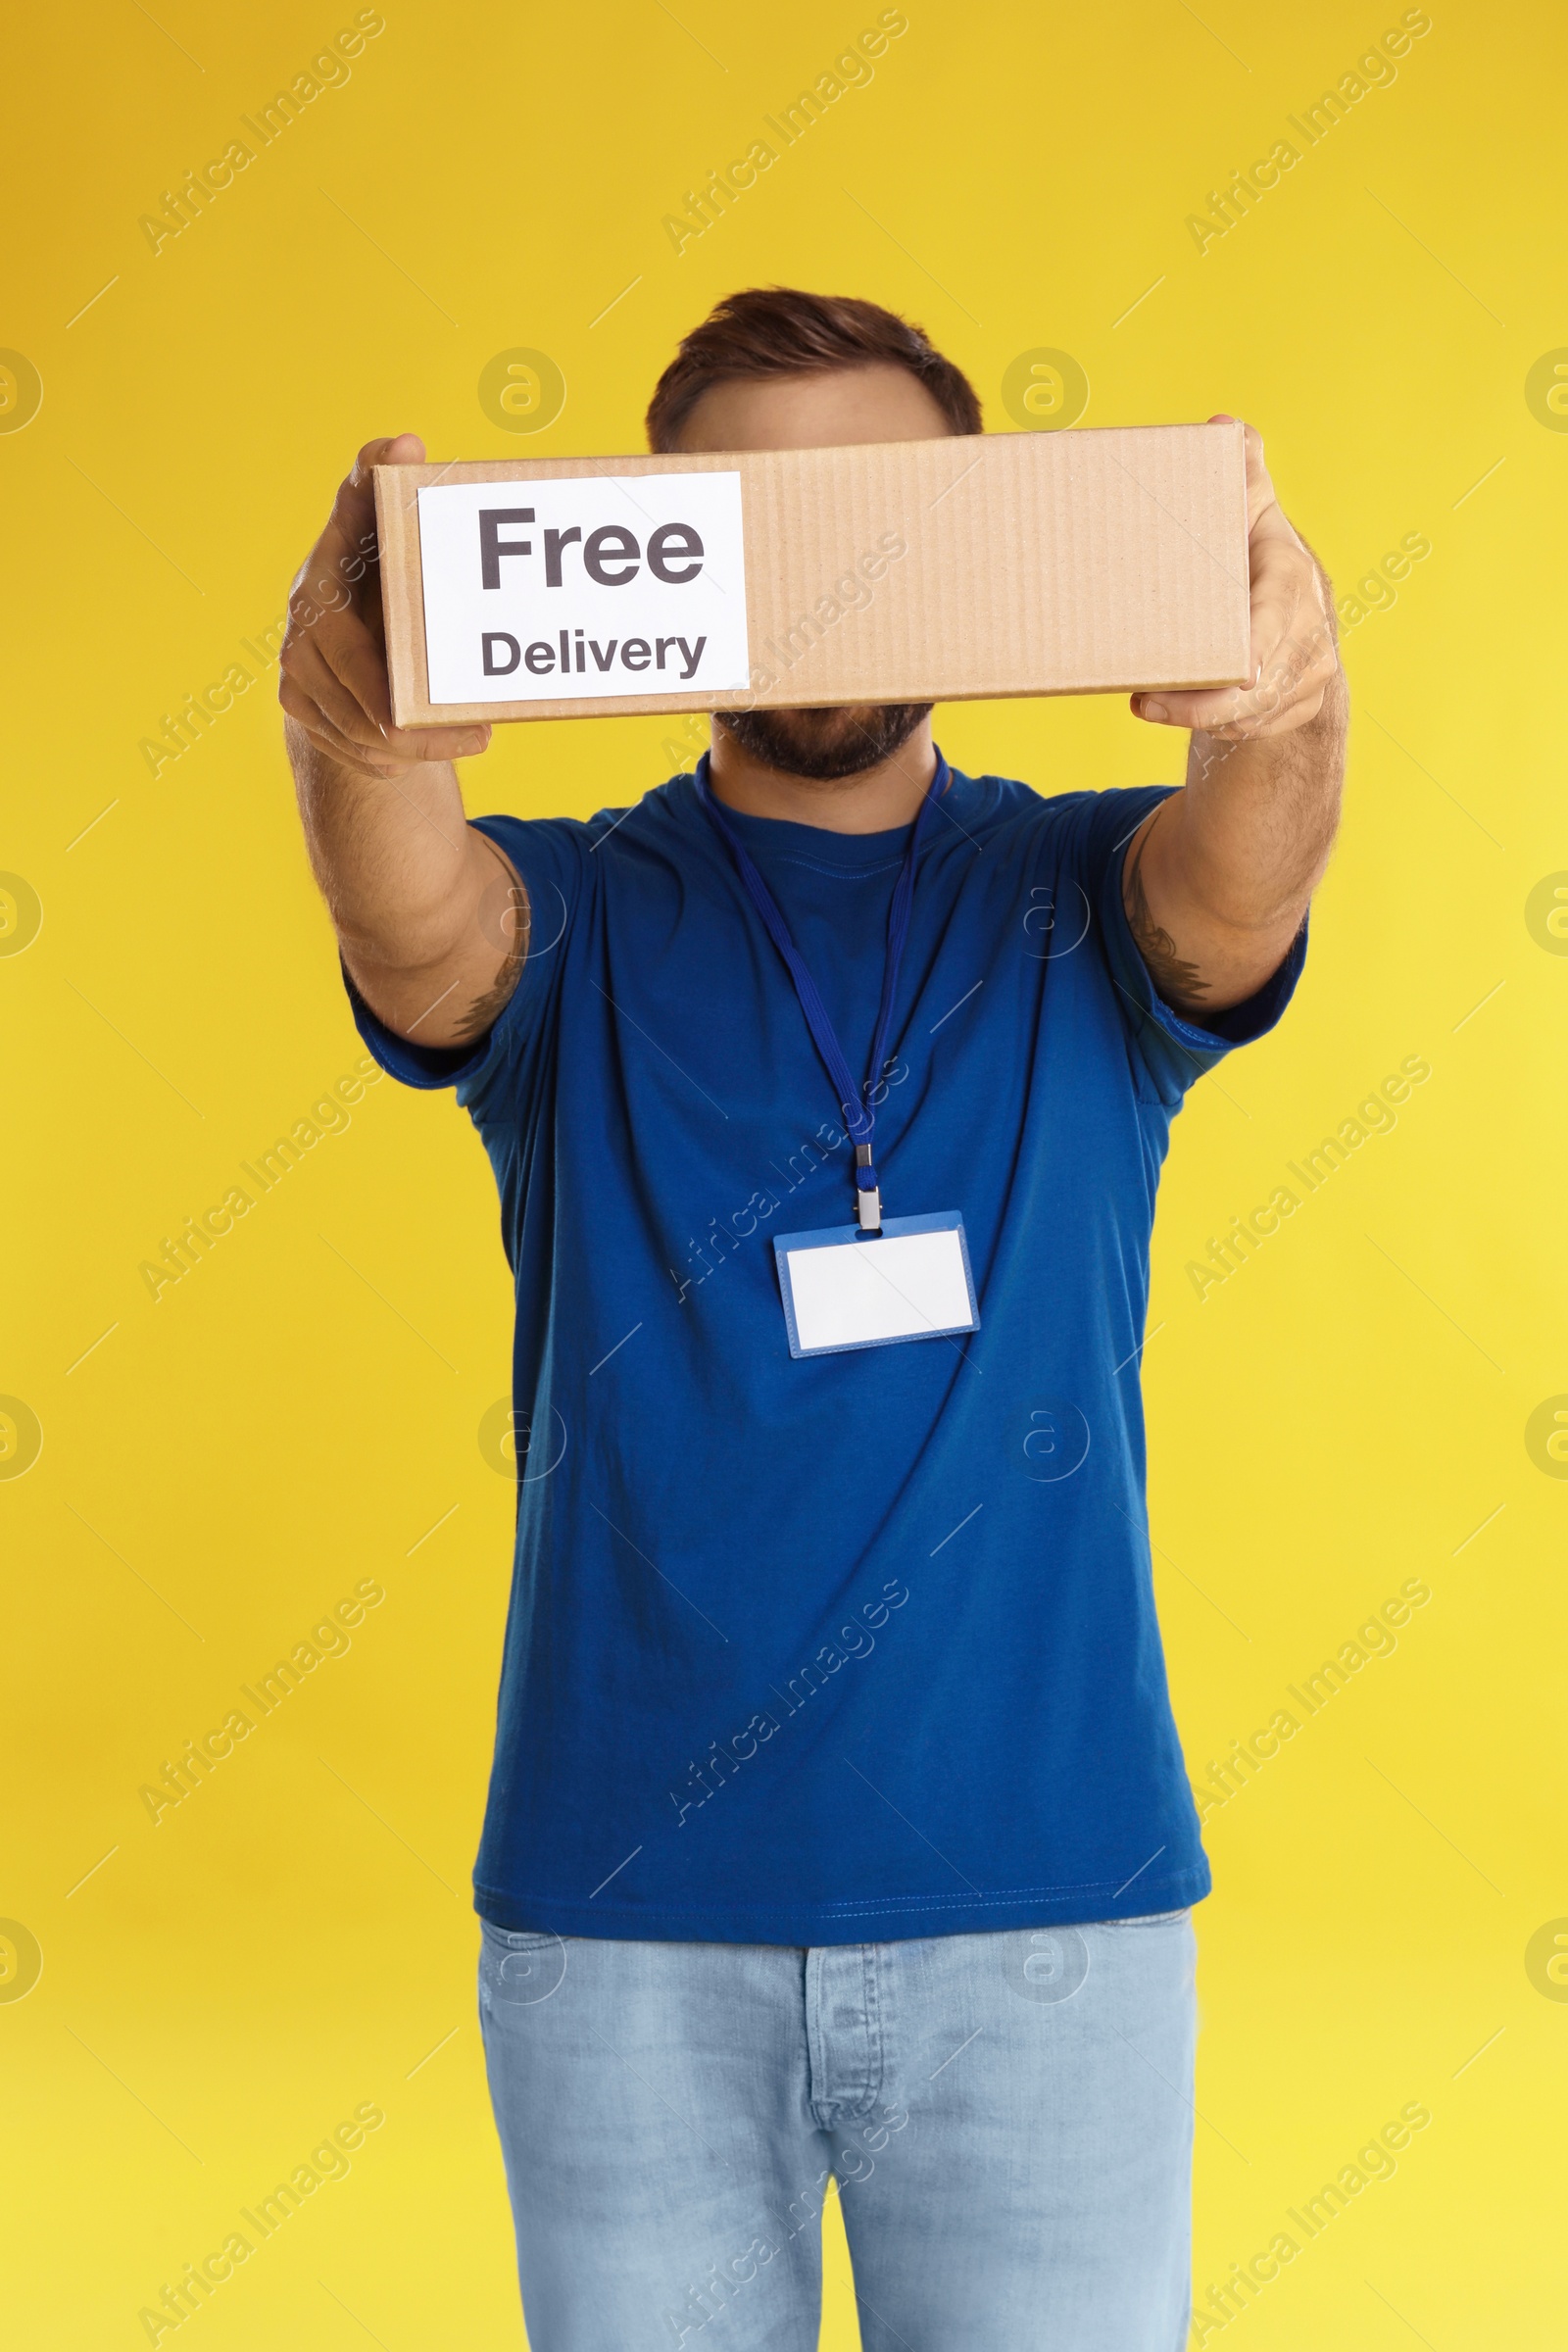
1179,982
508,902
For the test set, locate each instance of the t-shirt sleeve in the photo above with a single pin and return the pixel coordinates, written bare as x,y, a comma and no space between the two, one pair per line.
549,855
1174,1048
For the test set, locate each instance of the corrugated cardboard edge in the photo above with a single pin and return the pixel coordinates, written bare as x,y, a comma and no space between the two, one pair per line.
397,489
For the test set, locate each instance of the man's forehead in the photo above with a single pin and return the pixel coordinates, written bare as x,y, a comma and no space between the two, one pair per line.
824,409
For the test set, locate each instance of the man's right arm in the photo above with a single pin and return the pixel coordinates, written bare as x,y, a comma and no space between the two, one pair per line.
431,918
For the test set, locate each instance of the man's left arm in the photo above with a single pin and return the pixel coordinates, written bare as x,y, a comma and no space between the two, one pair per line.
1216,881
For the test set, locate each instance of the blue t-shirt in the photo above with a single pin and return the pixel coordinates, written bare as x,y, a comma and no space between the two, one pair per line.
857,1646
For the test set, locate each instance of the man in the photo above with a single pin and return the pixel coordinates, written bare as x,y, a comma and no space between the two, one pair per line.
838,1824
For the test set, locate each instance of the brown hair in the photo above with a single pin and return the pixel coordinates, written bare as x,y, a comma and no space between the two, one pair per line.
777,330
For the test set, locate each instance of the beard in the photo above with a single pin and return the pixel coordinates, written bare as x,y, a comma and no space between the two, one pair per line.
825,746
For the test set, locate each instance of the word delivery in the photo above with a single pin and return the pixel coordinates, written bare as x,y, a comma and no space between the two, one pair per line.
500,652
635,585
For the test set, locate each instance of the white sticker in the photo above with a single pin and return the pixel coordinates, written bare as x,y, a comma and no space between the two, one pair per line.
592,584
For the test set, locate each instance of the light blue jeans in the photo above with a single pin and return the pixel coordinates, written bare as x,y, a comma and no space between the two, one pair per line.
1007,2118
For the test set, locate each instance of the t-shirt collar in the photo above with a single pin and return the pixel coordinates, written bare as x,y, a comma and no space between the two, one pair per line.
848,852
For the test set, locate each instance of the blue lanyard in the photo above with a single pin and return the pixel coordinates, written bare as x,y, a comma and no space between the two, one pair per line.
859,1116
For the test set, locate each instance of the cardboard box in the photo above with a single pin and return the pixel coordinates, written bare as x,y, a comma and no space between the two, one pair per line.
1009,564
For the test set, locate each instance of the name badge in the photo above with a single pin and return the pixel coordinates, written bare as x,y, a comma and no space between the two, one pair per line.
843,1289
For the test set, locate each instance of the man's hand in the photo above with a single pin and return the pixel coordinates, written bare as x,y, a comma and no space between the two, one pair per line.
1217,882
1293,636
333,662
431,920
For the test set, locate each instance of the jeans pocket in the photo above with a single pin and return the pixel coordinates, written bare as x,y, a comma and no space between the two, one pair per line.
515,1940
518,1968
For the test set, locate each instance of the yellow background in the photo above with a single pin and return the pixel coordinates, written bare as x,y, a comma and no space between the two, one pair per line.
293,1417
